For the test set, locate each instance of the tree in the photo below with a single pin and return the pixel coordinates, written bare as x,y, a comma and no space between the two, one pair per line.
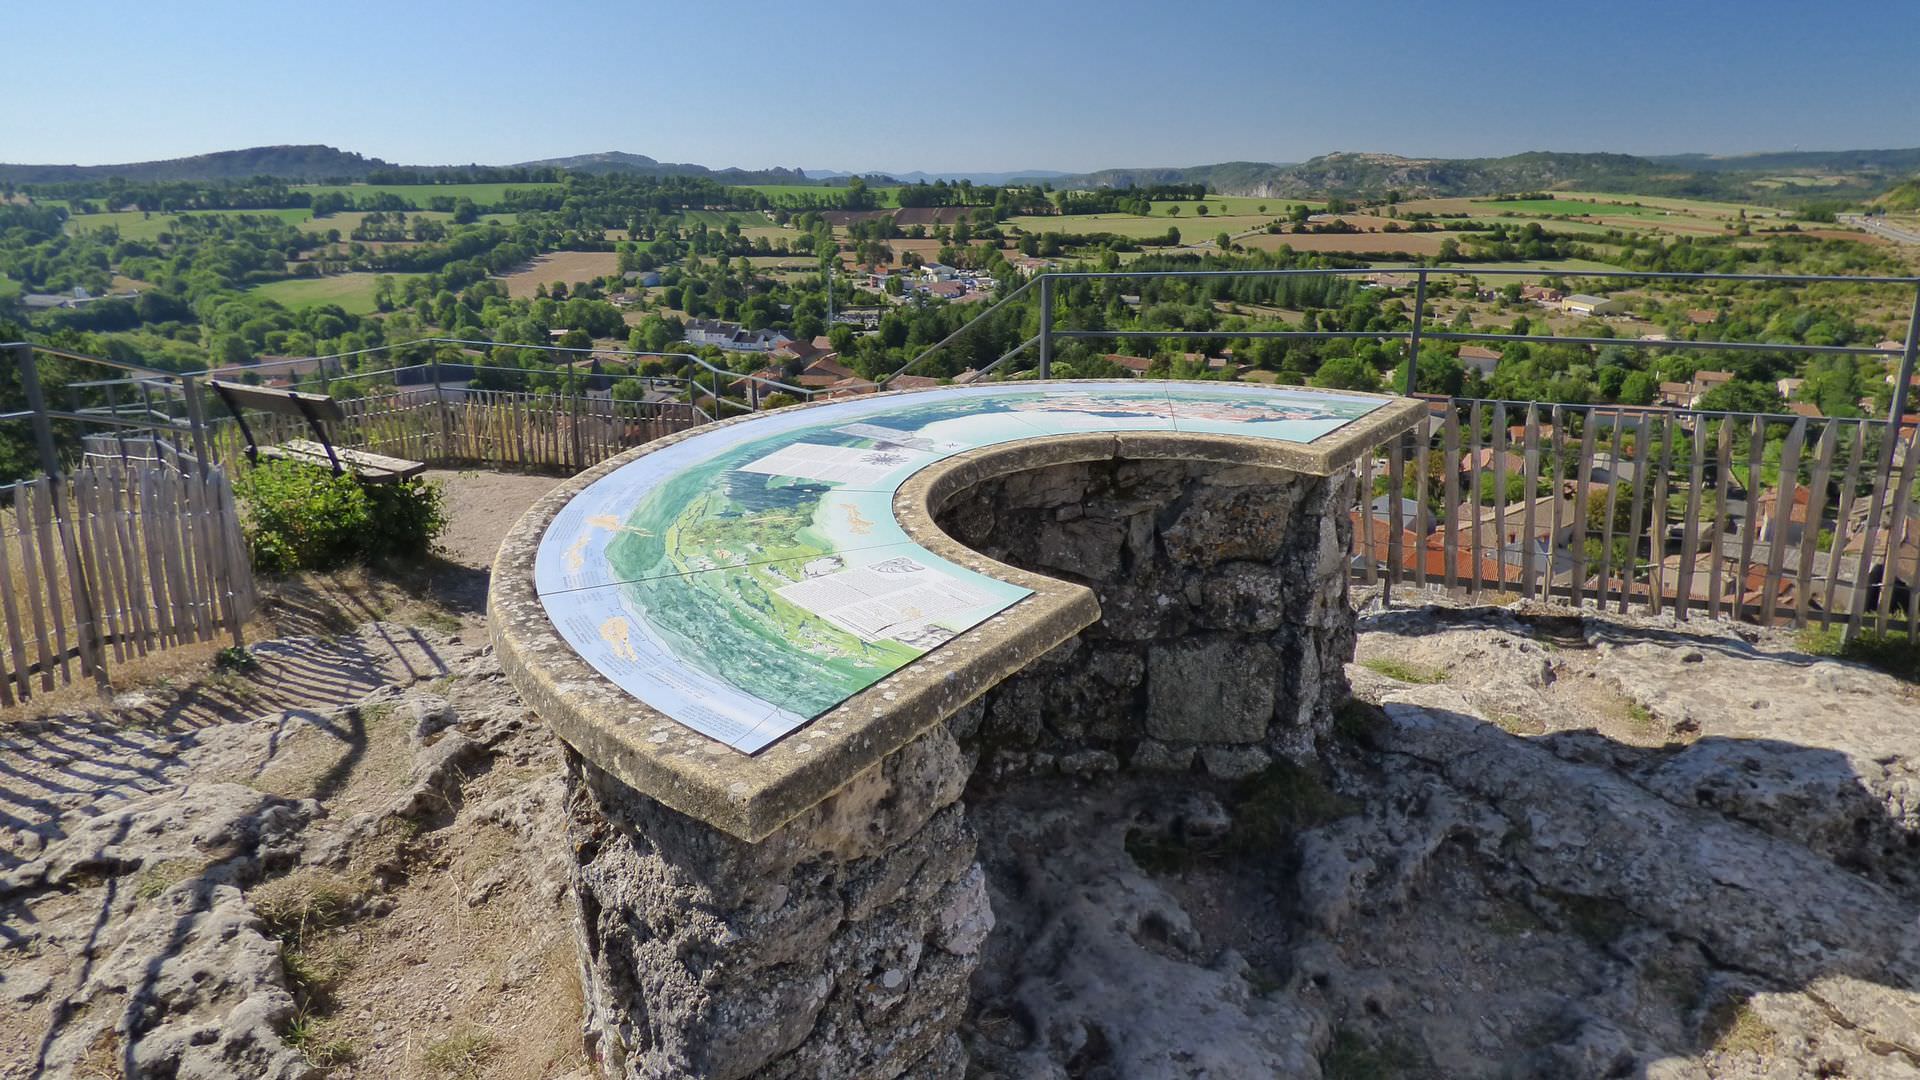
1347,373
1741,395
1639,388
1174,210
1224,241
1201,209
1439,374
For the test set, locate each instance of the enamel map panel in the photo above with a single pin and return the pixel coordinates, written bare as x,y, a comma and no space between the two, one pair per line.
749,578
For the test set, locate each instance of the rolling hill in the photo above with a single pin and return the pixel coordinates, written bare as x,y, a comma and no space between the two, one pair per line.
618,161
285,162
1850,175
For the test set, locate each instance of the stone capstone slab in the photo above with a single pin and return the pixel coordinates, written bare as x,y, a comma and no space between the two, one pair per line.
751,796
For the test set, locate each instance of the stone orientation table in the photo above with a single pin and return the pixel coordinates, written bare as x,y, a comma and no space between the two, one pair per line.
778,648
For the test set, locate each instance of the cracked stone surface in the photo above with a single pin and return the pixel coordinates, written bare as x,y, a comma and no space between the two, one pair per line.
1599,847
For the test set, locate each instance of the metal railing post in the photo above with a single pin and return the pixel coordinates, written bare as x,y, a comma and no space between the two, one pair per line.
573,426
440,409
37,403
1413,339
1046,326
1903,377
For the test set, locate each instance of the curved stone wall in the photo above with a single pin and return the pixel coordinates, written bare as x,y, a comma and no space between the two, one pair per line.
1224,629
841,944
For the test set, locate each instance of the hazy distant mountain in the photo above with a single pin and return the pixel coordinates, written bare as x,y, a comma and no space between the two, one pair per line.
1848,174
1892,162
618,161
287,162
1839,173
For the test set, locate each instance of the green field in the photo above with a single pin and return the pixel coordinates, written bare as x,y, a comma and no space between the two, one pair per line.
1192,229
348,220
775,190
418,194
1585,228
139,225
1569,208
352,292
1233,205
720,219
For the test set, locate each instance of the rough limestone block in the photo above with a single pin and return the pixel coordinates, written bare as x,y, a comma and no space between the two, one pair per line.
1210,690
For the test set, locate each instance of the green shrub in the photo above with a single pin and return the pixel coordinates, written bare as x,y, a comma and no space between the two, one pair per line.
303,517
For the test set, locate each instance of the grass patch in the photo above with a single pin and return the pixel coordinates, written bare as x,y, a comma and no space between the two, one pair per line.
435,619
1405,672
1640,720
1352,1057
483,194
460,1056
1893,652
1279,801
1515,724
352,292
1737,1029
307,1035
164,875
147,227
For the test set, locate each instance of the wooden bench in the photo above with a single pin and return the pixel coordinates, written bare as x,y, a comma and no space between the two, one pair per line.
318,410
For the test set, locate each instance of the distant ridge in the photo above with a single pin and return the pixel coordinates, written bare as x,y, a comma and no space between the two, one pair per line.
1844,174
1847,173
285,162
618,161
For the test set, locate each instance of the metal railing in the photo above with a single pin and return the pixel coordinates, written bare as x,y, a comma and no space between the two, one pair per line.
1696,533
436,408
1855,478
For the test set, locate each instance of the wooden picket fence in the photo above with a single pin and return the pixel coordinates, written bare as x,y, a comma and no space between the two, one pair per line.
113,561
1766,519
497,428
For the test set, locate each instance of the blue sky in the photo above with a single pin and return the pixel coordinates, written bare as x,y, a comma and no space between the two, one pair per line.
980,86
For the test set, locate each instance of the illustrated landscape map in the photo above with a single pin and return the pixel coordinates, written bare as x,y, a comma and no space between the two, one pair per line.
744,581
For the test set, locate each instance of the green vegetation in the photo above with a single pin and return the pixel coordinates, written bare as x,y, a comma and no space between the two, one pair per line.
1353,1057
1893,652
1559,207
1403,671
355,294
1279,801
1737,1029
302,517
418,195
230,271
885,194
143,226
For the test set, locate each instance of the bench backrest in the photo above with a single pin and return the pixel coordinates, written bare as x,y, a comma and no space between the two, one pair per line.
284,402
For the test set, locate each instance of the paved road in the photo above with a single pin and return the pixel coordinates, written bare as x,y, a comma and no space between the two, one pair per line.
1879,226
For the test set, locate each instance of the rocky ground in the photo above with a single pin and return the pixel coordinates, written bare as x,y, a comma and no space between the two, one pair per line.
1541,845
